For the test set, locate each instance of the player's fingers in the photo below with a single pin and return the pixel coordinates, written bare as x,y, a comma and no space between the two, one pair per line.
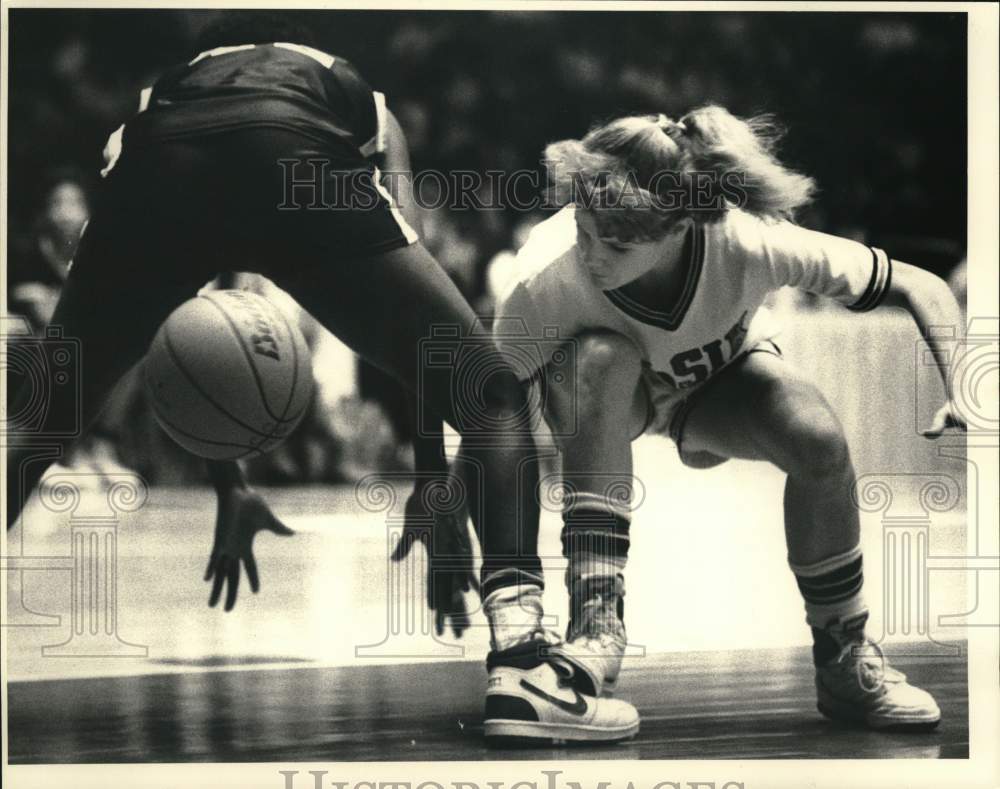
405,545
279,528
211,566
945,419
433,588
439,622
444,591
252,576
234,585
463,545
450,597
459,617
220,577
936,430
402,548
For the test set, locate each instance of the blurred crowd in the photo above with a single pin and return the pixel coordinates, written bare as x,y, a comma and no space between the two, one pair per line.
875,105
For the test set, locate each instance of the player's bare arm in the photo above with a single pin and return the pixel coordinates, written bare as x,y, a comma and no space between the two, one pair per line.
445,588
933,306
240,514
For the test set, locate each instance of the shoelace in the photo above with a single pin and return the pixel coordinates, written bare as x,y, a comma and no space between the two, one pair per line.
872,669
599,622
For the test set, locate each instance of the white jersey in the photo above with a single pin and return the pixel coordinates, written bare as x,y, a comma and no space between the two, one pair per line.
731,265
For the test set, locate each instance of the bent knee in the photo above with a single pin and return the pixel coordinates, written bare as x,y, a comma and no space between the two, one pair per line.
502,405
816,447
606,358
503,392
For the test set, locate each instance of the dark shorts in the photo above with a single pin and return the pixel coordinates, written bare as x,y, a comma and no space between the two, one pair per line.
260,199
668,409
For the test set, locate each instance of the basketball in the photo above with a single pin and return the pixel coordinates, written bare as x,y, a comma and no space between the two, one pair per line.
228,375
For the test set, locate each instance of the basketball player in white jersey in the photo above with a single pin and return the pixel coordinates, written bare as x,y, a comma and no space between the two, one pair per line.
671,236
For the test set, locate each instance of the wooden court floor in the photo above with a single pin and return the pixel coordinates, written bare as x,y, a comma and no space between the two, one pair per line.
735,705
724,674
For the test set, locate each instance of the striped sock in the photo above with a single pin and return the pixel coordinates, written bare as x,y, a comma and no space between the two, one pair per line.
595,539
831,589
501,573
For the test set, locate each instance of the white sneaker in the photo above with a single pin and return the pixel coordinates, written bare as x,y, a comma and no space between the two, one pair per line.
859,685
531,696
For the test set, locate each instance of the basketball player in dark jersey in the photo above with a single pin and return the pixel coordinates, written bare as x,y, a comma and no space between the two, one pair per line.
251,156
262,154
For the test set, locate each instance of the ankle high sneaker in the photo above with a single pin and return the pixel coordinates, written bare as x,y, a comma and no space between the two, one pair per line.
531,695
858,684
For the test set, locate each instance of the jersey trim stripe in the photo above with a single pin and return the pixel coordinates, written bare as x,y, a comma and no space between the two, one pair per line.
888,281
878,285
112,150
377,143
408,232
211,53
672,319
380,111
320,57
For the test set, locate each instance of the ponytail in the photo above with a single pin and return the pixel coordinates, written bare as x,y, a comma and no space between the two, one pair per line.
718,142
642,174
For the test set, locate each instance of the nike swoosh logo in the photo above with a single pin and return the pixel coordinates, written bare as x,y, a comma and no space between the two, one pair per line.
578,707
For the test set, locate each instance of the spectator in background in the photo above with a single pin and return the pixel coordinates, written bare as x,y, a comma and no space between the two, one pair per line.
39,268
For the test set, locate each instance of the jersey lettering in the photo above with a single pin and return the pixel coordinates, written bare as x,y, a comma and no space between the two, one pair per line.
715,357
690,366
685,364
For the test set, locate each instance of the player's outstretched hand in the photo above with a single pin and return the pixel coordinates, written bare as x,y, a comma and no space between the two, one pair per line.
430,516
241,514
947,416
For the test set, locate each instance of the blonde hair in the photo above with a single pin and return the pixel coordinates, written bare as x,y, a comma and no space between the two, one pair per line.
641,174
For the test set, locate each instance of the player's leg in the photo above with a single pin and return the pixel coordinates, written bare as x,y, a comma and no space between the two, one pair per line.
760,408
594,419
110,312
327,232
384,308
151,243
356,267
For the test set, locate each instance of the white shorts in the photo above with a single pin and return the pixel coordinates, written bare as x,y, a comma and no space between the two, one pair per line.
668,408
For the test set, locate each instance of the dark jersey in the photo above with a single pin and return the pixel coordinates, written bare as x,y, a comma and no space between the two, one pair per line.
224,147
280,85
